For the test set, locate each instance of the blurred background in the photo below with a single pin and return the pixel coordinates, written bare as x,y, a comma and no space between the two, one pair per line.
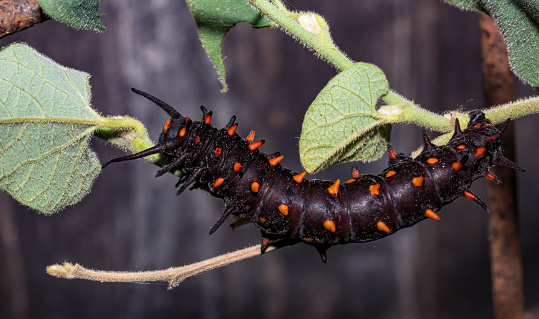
430,53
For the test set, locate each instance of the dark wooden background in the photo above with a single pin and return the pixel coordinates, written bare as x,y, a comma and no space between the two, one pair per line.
132,221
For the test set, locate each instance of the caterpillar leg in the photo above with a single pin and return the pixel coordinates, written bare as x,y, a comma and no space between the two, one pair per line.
278,242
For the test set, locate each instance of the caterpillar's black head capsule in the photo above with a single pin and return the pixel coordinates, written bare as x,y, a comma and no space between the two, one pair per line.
173,134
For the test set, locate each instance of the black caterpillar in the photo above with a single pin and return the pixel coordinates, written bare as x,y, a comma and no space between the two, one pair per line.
289,209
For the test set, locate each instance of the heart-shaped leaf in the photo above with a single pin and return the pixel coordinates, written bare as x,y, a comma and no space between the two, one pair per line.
45,124
342,123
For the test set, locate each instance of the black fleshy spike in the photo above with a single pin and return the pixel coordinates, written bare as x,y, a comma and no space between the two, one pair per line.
322,250
231,122
190,180
507,163
476,199
493,177
166,107
458,131
204,111
500,132
154,150
170,166
427,144
221,220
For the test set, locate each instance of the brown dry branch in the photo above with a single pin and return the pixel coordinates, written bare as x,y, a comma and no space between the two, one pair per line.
16,15
504,233
173,276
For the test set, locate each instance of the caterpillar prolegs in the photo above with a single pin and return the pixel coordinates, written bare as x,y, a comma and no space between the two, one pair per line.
290,209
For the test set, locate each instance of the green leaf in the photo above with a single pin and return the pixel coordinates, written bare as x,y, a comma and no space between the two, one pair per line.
215,18
45,124
77,13
519,22
342,123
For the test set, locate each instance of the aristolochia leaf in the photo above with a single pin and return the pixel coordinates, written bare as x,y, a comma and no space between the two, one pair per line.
45,124
77,13
215,17
519,22
342,123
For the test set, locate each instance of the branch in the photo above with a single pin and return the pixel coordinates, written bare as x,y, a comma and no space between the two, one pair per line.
173,276
18,15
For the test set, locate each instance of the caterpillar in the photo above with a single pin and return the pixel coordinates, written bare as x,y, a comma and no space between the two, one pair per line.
290,209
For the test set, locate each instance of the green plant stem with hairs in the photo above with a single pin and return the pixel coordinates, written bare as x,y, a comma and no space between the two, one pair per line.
325,48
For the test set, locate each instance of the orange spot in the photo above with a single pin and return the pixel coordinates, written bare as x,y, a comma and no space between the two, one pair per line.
275,161
456,166
461,147
262,219
182,132
350,181
283,209
430,213
477,126
254,187
207,120
334,189
470,195
392,154
251,136
418,181
390,173
492,177
232,129
355,173
255,145
309,240
218,182
383,227
299,177
237,167
218,152
375,189
329,225
480,152
167,125
187,120
432,160
197,139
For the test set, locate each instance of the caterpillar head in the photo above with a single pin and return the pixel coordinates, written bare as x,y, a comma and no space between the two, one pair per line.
482,138
173,134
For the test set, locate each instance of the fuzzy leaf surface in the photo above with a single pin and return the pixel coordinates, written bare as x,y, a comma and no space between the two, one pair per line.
342,123
81,14
519,22
214,18
45,123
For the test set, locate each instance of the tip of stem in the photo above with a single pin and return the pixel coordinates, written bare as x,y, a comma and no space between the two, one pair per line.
61,271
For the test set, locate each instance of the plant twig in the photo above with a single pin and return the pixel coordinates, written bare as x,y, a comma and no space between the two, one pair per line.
504,233
17,15
173,276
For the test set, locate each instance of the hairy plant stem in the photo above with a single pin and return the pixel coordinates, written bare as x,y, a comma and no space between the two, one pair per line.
173,276
325,48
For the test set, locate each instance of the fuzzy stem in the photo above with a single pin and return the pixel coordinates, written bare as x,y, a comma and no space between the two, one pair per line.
173,276
322,42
